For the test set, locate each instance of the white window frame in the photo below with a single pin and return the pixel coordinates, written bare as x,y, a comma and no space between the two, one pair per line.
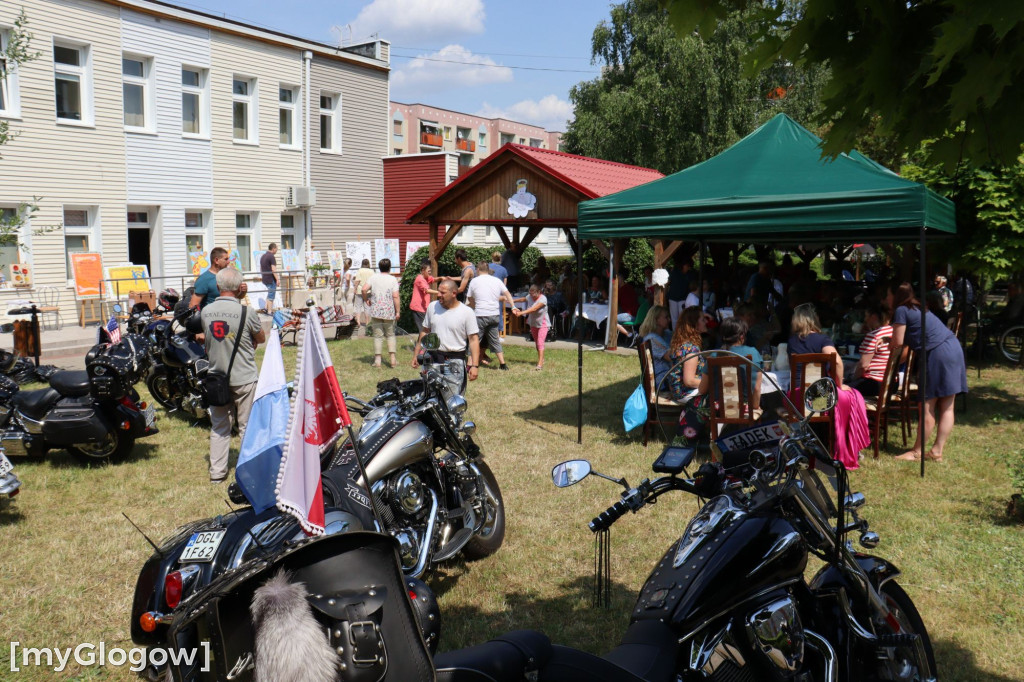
481,137
295,110
90,231
295,231
466,235
251,100
398,126
203,231
83,72
491,235
446,134
202,93
539,145
148,92
24,233
252,232
334,111
9,92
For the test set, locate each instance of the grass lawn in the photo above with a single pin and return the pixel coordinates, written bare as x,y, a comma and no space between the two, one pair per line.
69,560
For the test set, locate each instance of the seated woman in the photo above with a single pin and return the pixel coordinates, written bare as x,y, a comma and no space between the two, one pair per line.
684,378
734,339
655,330
874,351
806,337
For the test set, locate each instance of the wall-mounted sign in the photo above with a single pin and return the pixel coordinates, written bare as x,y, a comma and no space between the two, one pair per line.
522,202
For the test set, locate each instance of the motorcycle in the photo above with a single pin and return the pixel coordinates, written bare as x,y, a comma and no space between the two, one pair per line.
95,414
19,368
9,483
178,365
429,489
728,602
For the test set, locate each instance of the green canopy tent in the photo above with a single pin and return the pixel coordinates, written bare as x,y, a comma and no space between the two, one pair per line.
774,187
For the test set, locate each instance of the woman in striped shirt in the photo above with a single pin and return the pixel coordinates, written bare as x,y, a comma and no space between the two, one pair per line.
874,351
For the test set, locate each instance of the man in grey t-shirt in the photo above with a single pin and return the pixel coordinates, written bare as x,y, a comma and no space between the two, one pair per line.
457,331
222,325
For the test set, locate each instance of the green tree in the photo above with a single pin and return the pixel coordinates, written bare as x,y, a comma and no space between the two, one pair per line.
17,51
914,69
667,101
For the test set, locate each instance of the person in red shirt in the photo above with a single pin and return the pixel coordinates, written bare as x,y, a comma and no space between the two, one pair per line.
421,293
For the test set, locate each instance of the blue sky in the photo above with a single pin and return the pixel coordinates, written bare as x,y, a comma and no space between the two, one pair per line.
512,59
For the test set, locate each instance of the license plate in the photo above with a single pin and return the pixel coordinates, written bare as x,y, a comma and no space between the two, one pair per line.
762,434
202,547
5,465
150,416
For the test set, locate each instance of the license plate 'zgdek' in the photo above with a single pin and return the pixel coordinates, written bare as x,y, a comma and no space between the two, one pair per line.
766,435
202,547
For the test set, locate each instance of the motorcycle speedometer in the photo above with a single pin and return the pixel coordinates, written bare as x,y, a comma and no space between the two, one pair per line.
715,514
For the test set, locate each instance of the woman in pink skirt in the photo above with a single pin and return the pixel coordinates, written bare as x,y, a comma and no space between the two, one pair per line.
537,315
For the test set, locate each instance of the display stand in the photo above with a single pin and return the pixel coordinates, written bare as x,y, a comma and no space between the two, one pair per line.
89,310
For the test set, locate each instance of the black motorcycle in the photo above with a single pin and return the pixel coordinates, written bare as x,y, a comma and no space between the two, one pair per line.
178,365
95,414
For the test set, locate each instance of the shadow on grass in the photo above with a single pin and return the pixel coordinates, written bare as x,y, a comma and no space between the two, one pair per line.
140,452
569,619
985,403
957,664
602,408
11,515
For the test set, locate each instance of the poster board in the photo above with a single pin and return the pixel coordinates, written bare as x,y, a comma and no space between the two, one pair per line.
132,278
290,260
357,251
257,256
388,248
87,271
198,262
313,258
235,259
411,248
336,259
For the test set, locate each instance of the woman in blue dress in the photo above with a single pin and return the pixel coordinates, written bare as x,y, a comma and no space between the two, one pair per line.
946,368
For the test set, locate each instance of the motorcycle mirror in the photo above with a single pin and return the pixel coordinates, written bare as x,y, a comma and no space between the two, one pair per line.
117,308
821,396
571,472
6,328
430,342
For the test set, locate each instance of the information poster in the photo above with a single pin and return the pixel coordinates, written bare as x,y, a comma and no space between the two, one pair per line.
357,251
128,278
290,261
388,248
412,247
87,269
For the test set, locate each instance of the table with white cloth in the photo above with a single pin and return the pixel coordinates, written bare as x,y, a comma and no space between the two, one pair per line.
780,376
595,312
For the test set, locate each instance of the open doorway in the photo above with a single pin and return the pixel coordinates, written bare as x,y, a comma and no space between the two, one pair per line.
143,238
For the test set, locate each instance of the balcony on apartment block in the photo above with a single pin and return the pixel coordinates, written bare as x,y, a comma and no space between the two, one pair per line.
431,139
468,146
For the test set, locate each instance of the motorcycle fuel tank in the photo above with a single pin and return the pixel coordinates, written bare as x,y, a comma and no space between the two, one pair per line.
390,445
725,556
180,351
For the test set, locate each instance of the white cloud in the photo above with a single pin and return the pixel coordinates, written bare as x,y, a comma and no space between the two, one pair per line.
452,67
550,112
409,21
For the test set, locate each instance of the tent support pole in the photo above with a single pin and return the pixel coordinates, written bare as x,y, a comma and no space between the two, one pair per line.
700,287
923,367
579,345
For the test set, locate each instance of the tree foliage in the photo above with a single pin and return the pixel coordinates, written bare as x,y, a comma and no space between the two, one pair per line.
989,213
922,67
666,101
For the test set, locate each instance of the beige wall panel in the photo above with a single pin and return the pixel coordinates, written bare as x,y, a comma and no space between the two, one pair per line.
350,185
65,164
247,177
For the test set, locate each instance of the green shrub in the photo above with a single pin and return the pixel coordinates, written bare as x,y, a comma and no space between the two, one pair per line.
639,254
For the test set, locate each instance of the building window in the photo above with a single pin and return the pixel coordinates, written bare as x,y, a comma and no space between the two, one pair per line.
506,138
397,127
330,122
448,133
289,127
72,83
9,247
78,233
481,139
9,103
195,234
534,142
194,98
246,230
135,77
522,140
243,110
288,231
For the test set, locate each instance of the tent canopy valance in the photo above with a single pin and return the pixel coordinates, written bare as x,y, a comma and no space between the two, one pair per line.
772,186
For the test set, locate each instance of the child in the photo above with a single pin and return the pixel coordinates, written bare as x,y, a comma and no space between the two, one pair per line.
734,338
537,315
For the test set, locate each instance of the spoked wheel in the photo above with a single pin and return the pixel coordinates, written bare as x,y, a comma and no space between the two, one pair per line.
114,447
1011,343
912,661
488,539
160,387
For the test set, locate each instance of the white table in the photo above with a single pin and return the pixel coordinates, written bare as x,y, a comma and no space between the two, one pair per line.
595,312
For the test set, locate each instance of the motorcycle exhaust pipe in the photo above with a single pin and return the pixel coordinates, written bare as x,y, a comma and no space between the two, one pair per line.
428,536
828,654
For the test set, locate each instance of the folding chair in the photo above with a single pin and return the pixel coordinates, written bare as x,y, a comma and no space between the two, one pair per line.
878,407
661,409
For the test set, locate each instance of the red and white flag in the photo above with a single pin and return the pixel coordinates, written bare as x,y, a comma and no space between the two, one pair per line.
318,415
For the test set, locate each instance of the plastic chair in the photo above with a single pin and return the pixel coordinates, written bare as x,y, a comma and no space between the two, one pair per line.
50,298
661,409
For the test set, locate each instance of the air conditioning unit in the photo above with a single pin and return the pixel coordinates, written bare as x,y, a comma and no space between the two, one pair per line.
300,197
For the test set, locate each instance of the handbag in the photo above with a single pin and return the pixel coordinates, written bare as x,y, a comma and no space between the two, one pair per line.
635,411
216,385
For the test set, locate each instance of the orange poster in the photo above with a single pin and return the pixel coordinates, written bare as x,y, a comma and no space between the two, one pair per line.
87,269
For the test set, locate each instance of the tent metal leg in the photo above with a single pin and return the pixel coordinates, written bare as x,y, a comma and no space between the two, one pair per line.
923,367
579,343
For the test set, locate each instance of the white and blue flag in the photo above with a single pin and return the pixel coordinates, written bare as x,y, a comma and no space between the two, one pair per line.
260,456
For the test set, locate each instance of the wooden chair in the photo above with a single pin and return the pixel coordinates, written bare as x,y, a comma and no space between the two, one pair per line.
661,409
903,403
878,407
805,369
732,393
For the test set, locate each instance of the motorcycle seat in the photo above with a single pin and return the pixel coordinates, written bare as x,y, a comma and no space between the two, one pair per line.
647,654
71,383
503,659
35,404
